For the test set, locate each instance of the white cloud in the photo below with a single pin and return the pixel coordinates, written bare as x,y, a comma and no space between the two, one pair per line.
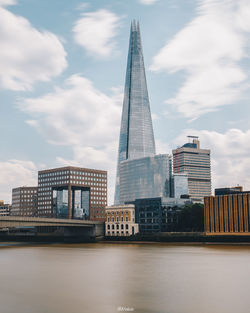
77,114
209,50
26,54
94,157
7,2
148,2
229,153
16,173
80,116
95,32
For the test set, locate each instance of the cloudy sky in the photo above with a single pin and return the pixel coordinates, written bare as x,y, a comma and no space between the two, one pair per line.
62,72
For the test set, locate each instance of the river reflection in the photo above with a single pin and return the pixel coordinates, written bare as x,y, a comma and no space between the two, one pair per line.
101,278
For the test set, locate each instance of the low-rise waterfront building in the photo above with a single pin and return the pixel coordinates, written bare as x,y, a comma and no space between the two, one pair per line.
120,220
227,213
158,214
24,201
228,190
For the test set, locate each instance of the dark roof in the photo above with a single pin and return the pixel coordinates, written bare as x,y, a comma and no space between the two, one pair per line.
190,145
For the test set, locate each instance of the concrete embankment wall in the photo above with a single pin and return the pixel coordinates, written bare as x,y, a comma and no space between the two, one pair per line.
183,237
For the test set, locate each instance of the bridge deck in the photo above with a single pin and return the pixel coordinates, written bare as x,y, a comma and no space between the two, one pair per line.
20,221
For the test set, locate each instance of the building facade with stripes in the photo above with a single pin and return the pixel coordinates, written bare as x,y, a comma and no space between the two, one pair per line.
195,162
227,214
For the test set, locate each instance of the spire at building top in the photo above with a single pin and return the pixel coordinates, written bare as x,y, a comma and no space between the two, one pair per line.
133,26
136,134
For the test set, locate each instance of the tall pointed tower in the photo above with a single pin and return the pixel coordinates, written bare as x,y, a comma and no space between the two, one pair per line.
136,134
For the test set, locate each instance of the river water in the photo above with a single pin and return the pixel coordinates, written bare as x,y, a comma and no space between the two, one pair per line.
107,278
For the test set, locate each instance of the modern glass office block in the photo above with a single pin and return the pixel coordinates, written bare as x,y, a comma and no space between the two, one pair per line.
158,214
180,184
147,177
136,134
80,197
85,200
60,202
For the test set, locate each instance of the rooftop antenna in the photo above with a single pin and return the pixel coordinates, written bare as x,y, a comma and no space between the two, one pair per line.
192,137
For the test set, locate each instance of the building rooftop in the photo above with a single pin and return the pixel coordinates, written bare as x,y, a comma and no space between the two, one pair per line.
73,168
120,206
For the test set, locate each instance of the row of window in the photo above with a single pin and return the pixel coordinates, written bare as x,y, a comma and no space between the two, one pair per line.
98,202
24,191
117,233
72,182
118,212
63,178
95,196
117,219
67,172
93,190
117,226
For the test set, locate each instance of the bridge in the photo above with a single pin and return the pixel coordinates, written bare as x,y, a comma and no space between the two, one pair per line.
70,228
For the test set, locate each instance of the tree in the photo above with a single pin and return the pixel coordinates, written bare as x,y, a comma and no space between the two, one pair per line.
191,218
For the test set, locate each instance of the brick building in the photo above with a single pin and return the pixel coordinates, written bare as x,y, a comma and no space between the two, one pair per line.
24,201
72,192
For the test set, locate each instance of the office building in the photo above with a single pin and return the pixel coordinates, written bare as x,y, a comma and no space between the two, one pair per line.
24,201
227,214
4,209
194,161
228,190
147,177
158,214
136,134
72,192
179,185
120,220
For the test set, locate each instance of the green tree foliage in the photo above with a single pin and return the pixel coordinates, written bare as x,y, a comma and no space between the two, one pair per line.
191,218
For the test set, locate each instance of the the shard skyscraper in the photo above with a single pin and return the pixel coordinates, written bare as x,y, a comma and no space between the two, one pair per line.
136,134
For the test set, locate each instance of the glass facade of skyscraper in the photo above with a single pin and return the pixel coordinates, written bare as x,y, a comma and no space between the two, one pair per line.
147,177
136,134
180,185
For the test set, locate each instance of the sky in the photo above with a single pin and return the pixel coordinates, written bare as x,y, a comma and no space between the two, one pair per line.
62,73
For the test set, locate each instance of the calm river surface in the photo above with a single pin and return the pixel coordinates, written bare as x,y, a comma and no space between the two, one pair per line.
101,278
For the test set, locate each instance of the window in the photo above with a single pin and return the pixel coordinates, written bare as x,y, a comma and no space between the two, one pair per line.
117,226
122,226
108,226
117,219
126,226
113,226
